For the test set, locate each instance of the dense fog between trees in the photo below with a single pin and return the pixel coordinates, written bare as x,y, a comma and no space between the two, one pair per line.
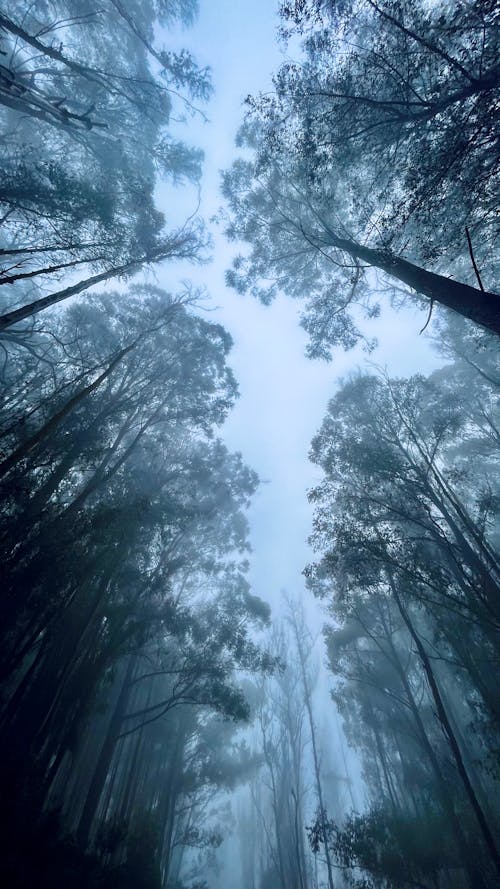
164,722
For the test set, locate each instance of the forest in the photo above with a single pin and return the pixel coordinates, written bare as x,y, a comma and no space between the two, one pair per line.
172,715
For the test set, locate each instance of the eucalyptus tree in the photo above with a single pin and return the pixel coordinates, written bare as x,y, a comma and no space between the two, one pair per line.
119,376
407,526
164,696
375,150
304,646
88,97
124,546
291,784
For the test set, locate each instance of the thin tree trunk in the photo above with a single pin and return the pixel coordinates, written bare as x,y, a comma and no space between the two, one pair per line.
89,73
104,758
55,248
470,866
399,111
44,302
11,279
128,268
312,729
447,728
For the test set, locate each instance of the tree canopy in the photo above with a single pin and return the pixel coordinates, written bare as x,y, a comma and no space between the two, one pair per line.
375,150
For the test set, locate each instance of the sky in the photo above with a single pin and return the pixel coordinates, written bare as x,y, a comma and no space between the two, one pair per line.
283,395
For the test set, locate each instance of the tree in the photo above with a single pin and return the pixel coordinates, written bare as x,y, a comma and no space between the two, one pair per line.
358,162
87,135
304,646
181,245
405,543
124,546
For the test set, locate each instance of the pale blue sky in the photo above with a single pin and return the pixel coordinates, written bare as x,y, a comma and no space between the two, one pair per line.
283,395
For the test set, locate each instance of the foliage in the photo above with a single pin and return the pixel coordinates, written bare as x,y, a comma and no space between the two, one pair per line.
87,101
374,150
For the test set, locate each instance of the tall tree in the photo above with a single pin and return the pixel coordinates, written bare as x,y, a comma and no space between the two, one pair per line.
87,134
366,150
407,527
124,600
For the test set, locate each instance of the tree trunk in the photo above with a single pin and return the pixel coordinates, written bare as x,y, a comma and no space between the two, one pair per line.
175,248
481,307
104,758
312,729
450,735
446,799
24,449
49,270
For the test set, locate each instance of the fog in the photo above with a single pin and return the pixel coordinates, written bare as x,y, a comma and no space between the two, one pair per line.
249,445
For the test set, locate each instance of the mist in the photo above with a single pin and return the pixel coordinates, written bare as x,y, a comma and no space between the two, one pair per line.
249,437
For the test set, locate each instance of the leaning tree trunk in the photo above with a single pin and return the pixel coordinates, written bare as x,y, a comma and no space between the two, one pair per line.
480,306
30,443
176,247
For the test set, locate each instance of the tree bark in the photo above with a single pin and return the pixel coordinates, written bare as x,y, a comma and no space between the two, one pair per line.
481,307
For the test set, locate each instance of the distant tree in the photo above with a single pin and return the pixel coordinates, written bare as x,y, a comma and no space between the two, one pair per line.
304,646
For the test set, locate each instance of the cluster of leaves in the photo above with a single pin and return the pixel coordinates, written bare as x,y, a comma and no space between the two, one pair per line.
87,101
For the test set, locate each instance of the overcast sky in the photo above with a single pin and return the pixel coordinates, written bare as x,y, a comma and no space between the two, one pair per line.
283,394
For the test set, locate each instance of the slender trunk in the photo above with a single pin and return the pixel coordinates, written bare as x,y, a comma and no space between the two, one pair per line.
297,837
276,813
383,762
104,758
317,771
470,866
55,248
348,778
52,299
422,40
57,658
399,112
11,279
178,247
124,808
170,794
450,735
54,53
484,681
